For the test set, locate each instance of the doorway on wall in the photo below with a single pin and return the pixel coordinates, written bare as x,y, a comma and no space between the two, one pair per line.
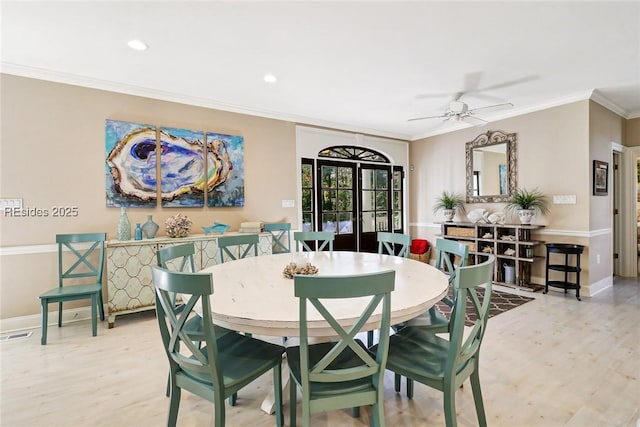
616,213
354,192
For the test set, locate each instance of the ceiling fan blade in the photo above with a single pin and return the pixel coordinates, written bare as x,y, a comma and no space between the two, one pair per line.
428,117
503,105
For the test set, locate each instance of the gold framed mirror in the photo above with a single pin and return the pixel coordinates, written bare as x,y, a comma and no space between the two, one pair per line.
491,167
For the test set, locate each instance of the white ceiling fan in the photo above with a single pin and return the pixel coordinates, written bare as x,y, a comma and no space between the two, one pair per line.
458,110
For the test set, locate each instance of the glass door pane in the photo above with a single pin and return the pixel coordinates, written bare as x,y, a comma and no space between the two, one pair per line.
336,194
375,196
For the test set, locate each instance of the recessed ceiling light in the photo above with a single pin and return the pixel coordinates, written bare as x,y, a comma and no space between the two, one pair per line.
137,45
270,78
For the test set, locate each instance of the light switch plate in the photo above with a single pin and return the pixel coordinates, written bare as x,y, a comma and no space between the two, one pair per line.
564,199
10,203
288,204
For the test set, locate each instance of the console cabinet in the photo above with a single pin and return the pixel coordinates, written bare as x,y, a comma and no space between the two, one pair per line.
129,287
512,244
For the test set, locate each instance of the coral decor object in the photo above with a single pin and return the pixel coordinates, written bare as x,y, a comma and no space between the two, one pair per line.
292,269
178,226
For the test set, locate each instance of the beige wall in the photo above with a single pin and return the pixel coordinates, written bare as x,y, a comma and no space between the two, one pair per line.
553,155
605,128
53,153
632,133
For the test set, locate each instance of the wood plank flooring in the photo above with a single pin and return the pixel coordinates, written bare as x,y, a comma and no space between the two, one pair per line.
551,362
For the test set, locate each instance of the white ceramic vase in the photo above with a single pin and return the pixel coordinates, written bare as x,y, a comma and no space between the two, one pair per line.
525,215
448,214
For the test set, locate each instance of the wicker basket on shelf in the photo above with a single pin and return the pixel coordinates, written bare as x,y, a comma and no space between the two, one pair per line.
461,232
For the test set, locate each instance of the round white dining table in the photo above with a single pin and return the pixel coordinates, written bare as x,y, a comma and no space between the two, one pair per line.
252,295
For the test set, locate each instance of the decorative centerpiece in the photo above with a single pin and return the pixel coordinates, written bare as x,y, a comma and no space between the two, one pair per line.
292,269
178,226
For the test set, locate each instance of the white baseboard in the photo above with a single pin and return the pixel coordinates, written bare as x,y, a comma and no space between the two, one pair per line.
595,288
34,321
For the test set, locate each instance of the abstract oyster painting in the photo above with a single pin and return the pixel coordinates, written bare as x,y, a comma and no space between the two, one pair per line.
189,164
225,170
182,167
130,164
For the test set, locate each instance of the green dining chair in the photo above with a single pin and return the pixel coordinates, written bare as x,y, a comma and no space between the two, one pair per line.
180,258
87,264
221,367
342,374
444,364
280,237
236,247
394,244
177,257
320,239
450,255
389,243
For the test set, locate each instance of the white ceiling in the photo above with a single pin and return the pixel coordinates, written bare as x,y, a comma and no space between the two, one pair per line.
351,65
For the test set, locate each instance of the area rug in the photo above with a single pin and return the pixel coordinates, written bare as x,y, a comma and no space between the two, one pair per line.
500,302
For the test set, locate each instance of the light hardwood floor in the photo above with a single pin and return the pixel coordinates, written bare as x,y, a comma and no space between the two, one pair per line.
551,362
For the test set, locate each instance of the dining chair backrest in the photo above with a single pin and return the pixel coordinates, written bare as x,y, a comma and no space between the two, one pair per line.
322,240
280,237
448,252
177,258
181,350
450,255
237,247
331,368
465,346
394,244
82,265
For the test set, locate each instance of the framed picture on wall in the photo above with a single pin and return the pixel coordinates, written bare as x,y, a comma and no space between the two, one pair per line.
600,178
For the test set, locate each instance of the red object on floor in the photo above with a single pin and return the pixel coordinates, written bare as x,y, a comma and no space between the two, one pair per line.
419,246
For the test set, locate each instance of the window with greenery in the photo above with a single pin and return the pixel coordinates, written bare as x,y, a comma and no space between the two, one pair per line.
307,195
375,200
336,195
397,198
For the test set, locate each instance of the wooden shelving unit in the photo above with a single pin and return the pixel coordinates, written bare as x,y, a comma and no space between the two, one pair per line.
512,245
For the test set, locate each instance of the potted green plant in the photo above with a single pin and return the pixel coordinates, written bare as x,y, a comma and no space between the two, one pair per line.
449,203
526,203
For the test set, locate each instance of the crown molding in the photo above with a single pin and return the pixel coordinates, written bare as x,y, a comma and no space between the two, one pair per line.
88,82
83,81
608,104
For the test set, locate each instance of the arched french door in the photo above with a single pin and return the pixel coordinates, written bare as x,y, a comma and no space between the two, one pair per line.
354,192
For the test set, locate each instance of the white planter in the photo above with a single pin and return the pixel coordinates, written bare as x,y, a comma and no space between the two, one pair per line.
448,214
525,215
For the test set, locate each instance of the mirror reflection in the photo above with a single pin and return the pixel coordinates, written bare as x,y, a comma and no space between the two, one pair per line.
490,170
491,167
